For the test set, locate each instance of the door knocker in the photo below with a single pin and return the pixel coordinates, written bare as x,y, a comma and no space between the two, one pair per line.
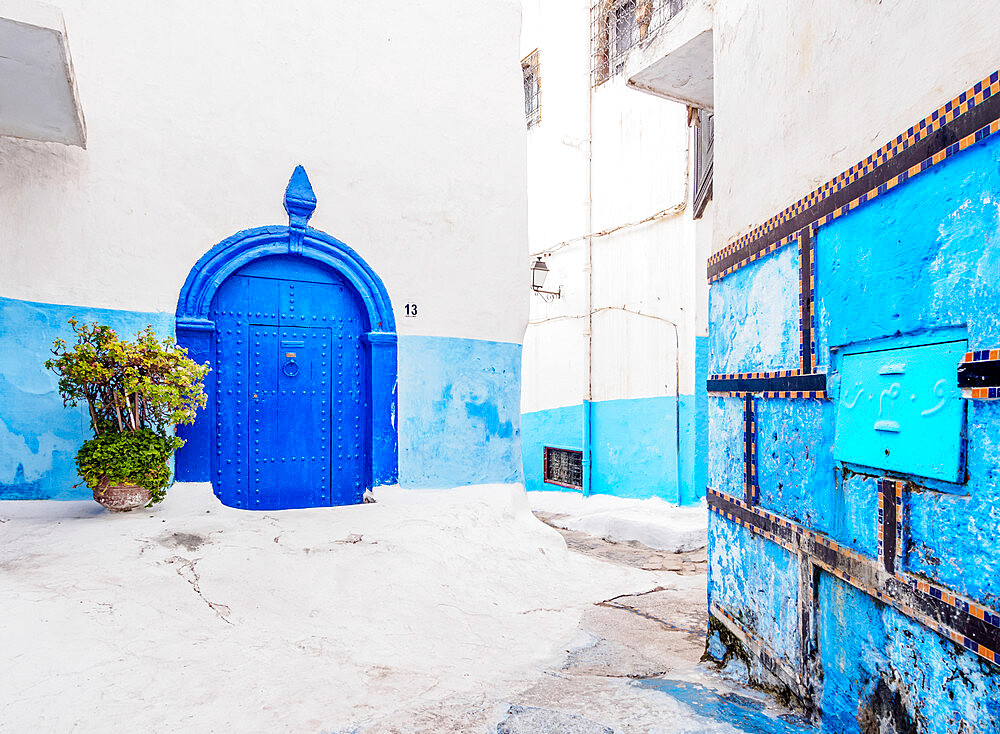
290,368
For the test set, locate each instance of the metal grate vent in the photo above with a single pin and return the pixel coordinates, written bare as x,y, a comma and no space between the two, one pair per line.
564,467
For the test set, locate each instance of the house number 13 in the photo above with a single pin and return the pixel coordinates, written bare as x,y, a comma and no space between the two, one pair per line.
411,310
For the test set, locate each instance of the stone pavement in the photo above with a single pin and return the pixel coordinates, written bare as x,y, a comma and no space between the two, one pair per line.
635,667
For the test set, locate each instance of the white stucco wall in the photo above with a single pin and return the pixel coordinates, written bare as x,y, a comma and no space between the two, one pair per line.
640,167
824,84
407,118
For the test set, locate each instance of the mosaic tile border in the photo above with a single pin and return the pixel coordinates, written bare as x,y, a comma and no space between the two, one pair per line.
751,490
973,626
807,296
768,657
780,384
890,523
967,119
979,374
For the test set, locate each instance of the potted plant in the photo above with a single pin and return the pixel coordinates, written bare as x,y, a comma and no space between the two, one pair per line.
136,392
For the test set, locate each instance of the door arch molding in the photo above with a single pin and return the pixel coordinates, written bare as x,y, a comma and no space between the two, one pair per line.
196,330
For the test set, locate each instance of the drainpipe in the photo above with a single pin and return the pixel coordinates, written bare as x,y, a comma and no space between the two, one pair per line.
588,427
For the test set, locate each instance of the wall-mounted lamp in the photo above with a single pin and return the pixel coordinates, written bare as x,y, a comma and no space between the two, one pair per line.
539,272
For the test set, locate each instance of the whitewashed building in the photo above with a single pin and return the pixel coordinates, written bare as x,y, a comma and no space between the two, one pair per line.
144,157
619,176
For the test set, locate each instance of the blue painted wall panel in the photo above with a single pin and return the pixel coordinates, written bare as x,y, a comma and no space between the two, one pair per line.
557,427
634,453
955,540
39,438
894,396
923,256
755,318
795,459
459,406
854,513
757,581
945,688
726,450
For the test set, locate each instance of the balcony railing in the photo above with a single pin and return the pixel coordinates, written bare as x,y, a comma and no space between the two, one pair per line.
618,25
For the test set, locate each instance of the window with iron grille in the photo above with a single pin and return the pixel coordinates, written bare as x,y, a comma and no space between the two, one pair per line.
532,89
618,25
564,467
704,144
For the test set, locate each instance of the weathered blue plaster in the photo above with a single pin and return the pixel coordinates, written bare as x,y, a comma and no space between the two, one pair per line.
726,451
694,430
854,511
459,407
955,540
39,437
918,262
754,316
943,687
757,581
923,256
746,715
634,450
795,459
560,428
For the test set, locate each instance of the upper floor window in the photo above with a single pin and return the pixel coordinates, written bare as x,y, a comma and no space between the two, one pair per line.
624,27
618,25
704,145
615,31
532,89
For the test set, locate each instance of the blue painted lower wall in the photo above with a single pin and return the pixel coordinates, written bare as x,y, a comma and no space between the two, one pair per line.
38,436
560,428
459,405
636,451
459,402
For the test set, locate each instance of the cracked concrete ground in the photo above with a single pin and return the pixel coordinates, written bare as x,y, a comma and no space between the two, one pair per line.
648,637
428,611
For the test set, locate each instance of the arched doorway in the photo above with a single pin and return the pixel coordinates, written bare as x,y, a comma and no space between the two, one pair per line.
301,338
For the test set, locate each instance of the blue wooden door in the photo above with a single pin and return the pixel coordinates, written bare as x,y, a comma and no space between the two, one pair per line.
292,391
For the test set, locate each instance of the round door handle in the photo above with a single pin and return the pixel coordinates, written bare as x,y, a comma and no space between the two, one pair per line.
290,368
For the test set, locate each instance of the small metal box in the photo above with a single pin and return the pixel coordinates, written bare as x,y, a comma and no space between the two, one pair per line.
900,409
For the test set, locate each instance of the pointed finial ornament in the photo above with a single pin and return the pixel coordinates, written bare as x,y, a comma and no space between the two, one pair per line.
300,203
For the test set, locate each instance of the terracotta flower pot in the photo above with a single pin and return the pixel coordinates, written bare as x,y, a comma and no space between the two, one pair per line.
122,497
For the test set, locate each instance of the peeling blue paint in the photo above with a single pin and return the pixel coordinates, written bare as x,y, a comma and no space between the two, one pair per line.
459,406
757,582
795,460
943,687
726,451
923,256
755,318
920,259
744,714
38,436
